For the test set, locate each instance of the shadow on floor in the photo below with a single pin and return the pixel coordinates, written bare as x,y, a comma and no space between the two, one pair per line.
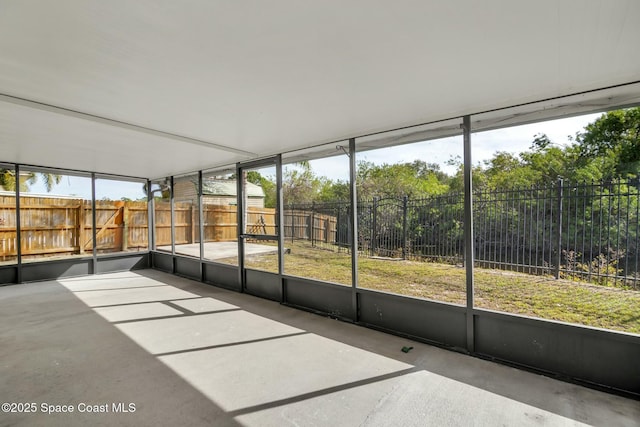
235,358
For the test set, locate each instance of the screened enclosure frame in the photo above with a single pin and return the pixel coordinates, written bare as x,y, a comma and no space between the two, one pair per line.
79,264
599,358
500,336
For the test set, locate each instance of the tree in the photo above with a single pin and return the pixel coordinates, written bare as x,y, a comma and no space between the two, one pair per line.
8,180
162,191
543,164
415,180
614,136
268,187
300,185
334,191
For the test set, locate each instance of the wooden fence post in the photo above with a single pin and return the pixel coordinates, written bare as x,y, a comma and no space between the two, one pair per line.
81,219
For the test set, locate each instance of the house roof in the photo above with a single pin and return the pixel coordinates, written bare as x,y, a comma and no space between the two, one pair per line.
227,187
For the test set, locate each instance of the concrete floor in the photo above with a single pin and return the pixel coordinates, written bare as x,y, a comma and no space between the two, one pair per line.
221,250
184,353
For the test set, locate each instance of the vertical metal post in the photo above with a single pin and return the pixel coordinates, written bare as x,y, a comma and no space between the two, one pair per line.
354,228
201,224
619,196
173,226
279,225
312,220
559,230
606,266
151,227
637,232
94,224
600,215
338,238
374,227
404,227
240,226
18,227
544,229
585,221
468,230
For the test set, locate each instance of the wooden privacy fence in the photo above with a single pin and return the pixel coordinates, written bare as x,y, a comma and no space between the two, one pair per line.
220,223
310,225
63,226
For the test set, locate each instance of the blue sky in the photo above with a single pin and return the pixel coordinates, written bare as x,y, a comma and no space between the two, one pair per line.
81,187
514,140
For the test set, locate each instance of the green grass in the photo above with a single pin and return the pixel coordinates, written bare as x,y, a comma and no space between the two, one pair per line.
537,296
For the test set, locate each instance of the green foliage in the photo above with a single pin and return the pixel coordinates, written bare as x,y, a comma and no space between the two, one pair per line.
600,270
300,185
160,193
607,149
269,188
543,164
334,191
255,177
414,180
614,136
505,170
8,180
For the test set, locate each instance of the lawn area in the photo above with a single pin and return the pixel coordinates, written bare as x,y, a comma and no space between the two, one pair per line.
536,296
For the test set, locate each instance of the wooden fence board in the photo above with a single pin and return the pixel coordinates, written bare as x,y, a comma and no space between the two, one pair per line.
54,226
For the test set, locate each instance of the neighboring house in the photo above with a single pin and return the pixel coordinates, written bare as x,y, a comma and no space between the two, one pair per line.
11,193
217,192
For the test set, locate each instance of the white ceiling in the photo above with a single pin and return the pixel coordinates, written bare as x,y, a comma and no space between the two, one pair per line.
152,88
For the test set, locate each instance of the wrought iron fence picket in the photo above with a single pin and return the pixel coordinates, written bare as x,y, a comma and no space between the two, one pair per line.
587,231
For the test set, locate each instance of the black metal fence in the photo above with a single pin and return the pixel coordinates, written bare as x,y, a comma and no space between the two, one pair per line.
582,231
586,231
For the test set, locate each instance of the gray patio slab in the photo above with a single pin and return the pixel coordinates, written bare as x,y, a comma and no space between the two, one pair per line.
221,250
232,359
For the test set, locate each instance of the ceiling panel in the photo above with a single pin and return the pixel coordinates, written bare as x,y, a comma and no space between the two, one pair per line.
45,138
271,77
